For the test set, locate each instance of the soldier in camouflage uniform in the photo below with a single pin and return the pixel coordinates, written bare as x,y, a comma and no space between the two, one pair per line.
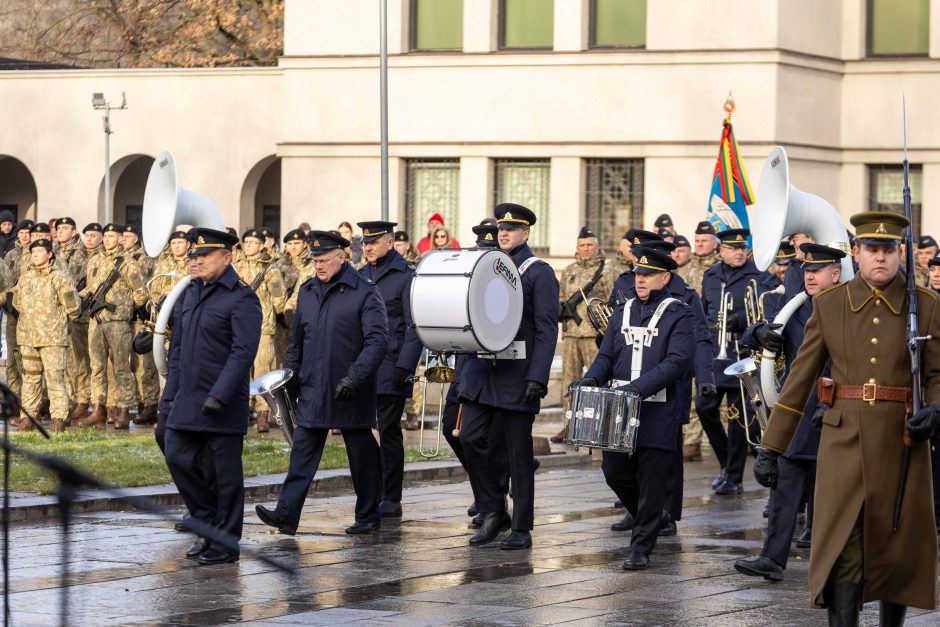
172,265
925,251
682,255
579,347
145,371
413,404
109,332
70,252
13,266
259,270
79,365
405,249
46,298
294,259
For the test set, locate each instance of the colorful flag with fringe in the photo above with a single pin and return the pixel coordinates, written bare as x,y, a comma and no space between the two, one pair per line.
731,191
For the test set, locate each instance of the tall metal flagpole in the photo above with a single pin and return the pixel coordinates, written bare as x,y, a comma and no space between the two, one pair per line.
383,96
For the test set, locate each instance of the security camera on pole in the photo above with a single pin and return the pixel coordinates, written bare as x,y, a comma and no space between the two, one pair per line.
99,102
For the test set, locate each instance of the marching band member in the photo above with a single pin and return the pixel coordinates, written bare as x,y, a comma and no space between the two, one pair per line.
656,371
861,326
797,476
392,274
338,341
508,391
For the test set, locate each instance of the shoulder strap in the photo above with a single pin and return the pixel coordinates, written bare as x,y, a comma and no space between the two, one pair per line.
528,262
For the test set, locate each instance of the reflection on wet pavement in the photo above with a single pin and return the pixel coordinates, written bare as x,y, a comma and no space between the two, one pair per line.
127,568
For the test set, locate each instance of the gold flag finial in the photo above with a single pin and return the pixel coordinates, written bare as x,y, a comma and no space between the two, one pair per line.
729,105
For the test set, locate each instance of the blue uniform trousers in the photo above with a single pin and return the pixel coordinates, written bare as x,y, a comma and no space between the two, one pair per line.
674,482
639,481
363,453
391,445
796,483
731,449
223,504
483,461
497,444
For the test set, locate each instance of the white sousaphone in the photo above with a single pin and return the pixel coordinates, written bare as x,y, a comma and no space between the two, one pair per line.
781,210
167,205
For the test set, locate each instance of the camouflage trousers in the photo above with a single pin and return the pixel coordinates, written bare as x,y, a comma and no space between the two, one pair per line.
45,364
14,365
577,353
110,342
145,373
265,361
413,405
281,340
692,432
79,366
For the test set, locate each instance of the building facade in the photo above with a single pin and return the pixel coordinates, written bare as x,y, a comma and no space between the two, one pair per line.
606,112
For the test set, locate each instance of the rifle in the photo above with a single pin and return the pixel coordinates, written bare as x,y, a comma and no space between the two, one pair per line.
260,277
96,302
914,340
569,309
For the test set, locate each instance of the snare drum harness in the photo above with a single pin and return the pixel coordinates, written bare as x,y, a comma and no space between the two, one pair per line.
641,337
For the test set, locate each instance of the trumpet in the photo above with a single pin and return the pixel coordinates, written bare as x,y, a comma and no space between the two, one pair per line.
752,309
725,306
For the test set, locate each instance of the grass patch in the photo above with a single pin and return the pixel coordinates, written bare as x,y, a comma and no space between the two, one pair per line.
131,461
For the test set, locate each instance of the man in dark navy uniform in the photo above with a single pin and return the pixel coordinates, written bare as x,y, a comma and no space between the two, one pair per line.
654,365
392,274
508,391
797,467
338,341
734,272
216,328
624,282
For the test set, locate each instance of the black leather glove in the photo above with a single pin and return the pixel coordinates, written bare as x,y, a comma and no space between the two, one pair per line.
534,391
586,382
707,390
818,415
212,406
765,468
143,342
631,389
9,308
400,377
924,424
768,338
345,389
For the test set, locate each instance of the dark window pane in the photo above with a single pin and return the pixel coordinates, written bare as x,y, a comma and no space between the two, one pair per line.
886,190
613,198
618,23
134,214
898,27
527,23
437,24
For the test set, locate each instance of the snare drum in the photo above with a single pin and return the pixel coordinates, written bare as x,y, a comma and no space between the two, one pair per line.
466,301
603,418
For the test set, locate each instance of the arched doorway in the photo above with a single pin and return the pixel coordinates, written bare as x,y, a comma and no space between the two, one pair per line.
128,181
17,188
261,195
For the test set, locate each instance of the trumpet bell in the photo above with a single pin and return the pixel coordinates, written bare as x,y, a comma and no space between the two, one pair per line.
747,371
440,374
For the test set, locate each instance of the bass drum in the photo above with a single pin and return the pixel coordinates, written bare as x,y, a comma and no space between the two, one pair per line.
466,301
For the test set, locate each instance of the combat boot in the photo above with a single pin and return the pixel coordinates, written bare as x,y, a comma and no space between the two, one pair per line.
43,412
843,601
111,411
25,424
263,422
148,416
891,614
78,412
98,417
121,418
58,426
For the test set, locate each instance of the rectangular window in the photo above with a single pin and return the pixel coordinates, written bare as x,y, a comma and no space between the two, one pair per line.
618,23
526,24
886,190
526,182
613,198
271,216
898,28
134,214
431,186
436,24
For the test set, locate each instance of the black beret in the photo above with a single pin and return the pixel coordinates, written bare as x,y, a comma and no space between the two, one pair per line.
510,215
93,226
178,235
704,228
24,225
926,241
934,261
41,227
267,232
111,227
258,234
61,221
42,242
296,235
375,229
663,220
650,260
585,232
206,240
132,228
401,236
325,241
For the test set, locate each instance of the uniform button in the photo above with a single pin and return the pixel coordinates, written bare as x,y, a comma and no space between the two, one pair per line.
873,360
877,301
872,380
874,340
876,321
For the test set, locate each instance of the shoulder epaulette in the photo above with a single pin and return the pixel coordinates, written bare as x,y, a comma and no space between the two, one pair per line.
930,293
834,287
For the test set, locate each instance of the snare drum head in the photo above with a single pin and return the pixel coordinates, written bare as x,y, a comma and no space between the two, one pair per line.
495,302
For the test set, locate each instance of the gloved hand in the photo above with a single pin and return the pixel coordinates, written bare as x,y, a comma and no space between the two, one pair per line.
737,321
765,468
345,389
924,424
212,406
767,336
819,414
586,382
707,390
534,391
9,308
399,377
630,389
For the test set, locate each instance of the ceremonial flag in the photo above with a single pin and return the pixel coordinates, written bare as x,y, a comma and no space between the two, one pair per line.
731,192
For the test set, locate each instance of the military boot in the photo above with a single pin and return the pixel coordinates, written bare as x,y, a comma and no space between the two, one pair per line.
148,416
98,417
25,424
263,422
121,418
891,614
43,412
58,426
111,411
79,411
843,601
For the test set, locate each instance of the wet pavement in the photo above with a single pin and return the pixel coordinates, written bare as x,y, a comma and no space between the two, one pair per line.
127,568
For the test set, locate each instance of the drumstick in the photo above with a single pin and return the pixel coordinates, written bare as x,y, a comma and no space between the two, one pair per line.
456,431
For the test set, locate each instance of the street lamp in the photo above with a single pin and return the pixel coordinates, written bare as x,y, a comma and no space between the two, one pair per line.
99,102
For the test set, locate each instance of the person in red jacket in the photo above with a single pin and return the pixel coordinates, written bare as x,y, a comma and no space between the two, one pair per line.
434,222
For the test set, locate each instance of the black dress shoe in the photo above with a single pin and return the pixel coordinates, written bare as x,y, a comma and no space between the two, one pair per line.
722,476
766,512
516,540
361,528
806,539
760,566
217,556
199,546
636,561
618,504
180,526
390,509
477,521
624,524
727,488
493,523
273,520
472,510
667,526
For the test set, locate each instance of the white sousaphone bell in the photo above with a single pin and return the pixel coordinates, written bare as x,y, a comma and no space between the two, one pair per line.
167,205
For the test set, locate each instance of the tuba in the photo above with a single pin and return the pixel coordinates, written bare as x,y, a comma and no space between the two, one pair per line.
746,370
166,205
272,387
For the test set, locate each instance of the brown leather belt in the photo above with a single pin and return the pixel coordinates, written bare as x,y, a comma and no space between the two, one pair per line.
869,392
